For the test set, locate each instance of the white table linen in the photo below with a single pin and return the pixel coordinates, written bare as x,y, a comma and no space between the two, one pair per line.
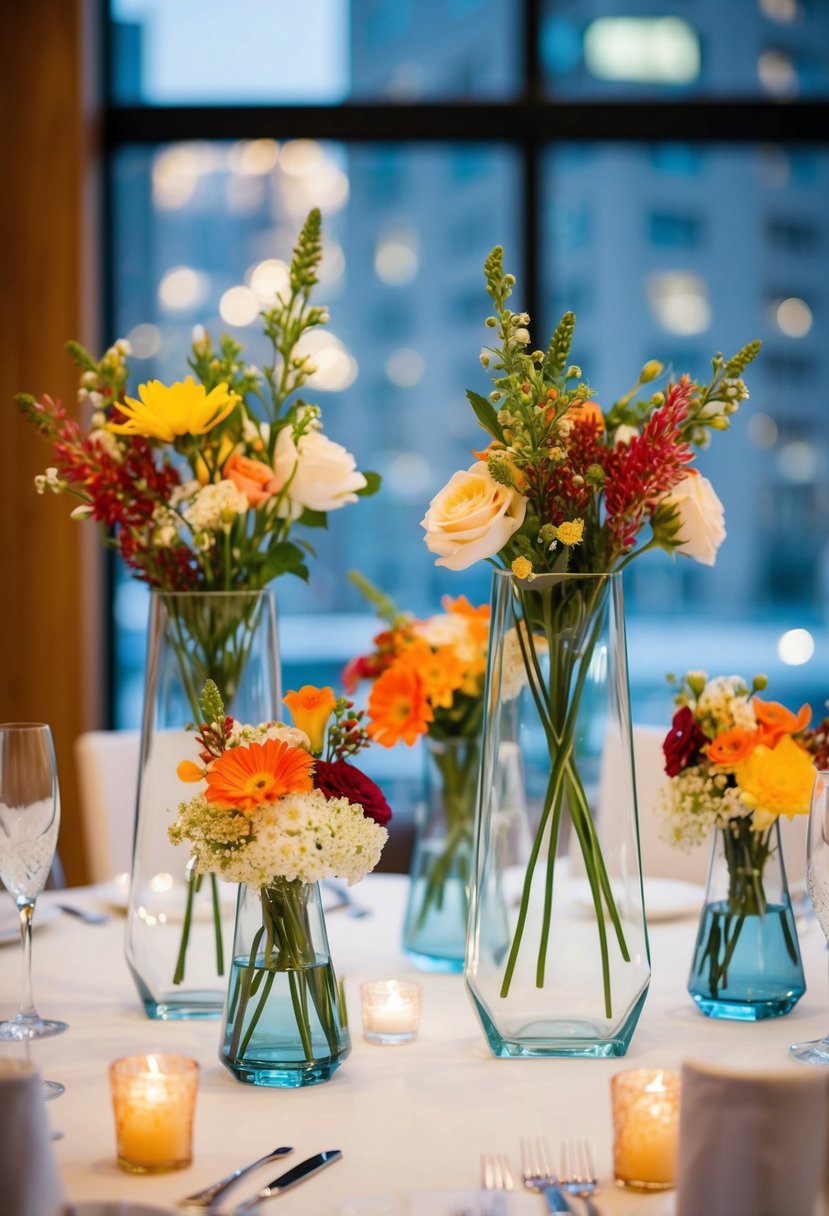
407,1118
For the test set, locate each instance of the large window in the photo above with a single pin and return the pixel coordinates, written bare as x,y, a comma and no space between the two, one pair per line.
638,169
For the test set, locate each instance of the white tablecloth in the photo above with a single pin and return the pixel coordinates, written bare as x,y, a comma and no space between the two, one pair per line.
408,1118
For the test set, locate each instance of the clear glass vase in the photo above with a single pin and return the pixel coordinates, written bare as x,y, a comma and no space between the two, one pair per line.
571,974
746,963
285,1023
434,929
179,924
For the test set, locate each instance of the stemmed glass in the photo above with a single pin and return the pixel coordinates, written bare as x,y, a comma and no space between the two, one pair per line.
29,821
817,879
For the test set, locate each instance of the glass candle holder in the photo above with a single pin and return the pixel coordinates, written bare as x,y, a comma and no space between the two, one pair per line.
391,1010
645,1105
154,1099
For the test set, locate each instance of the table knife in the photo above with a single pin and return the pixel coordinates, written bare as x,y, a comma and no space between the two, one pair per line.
207,1197
305,1169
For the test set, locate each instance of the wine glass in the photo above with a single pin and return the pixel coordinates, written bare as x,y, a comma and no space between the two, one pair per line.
29,821
817,879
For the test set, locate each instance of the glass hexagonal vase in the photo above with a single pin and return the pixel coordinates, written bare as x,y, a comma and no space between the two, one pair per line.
746,964
434,928
571,974
284,1022
179,924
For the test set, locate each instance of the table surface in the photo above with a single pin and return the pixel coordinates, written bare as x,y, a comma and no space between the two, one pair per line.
407,1118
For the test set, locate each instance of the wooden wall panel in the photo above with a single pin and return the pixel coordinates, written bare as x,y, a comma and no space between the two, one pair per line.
49,566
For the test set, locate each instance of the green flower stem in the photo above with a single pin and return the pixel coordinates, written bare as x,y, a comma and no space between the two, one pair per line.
457,761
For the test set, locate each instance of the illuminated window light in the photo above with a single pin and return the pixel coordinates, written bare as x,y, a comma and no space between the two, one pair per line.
182,289
405,367
239,306
762,430
396,259
794,317
795,647
777,73
679,301
661,50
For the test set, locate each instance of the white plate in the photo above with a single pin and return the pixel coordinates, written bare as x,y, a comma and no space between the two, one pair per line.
116,894
10,921
113,1207
665,898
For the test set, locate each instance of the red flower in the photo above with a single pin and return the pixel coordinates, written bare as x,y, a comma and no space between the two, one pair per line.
683,742
337,779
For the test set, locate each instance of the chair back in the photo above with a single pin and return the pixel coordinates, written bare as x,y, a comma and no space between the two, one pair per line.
107,763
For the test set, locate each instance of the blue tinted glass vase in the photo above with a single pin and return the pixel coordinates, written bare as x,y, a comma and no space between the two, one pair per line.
746,964
285,1024
434,929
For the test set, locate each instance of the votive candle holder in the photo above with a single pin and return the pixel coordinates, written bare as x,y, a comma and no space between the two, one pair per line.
645,1104
391,1011
154,1100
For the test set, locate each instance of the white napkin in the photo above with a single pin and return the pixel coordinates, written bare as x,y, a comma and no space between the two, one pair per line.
751,1144
29,1181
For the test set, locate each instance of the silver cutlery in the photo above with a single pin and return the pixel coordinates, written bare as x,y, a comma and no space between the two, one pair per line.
305,1169
345,899
578,1174
207,1197
88,918
539,1176
496,1176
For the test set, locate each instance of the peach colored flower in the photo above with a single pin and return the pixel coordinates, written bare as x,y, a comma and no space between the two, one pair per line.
776,721
253,477
311,708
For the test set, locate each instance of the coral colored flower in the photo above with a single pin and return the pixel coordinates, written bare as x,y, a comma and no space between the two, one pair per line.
398,707
441,671
167,411
776,721
462,606
252,477
776,781
311,708
188,771
732,746
247,777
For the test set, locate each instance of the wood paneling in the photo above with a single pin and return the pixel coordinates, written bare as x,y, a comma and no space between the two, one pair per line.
49,566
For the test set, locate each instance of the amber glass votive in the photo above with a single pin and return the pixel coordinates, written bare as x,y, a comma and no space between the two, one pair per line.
391,1010
645,1128
154,1100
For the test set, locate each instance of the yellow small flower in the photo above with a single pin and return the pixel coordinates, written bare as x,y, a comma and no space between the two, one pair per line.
522,567
167,411
570,532
311,708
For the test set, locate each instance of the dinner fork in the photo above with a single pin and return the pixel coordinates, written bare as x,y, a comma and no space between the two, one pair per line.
496,1175
578,1174
539,1176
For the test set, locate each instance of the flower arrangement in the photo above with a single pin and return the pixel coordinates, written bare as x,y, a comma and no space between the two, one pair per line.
565,487
275,814
736,763
198,484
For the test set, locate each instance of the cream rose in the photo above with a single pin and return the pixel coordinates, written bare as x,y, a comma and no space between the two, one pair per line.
325,474
701,517
471,518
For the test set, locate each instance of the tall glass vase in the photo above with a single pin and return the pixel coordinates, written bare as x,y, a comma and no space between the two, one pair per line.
746,964
434,929
285,1024
571,975
178,929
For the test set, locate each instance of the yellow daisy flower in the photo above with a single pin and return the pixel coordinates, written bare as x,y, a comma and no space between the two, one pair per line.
167,411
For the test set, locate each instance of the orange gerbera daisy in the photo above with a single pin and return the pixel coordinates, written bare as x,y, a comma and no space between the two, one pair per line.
732,746
462,605
247,777
776,721
398,707
441,671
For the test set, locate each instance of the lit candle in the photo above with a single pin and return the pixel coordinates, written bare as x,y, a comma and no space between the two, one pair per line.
645,1126
154,1099
391,1010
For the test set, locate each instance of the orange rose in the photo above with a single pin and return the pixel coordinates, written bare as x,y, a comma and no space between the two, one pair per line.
776,721
732,746
252,477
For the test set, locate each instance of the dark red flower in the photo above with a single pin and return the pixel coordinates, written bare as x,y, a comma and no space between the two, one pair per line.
683,742
337,779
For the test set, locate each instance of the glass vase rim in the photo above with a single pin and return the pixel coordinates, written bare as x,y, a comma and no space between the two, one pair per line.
540,582
21,726
207,591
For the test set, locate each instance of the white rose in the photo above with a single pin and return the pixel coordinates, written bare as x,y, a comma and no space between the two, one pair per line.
701,517
326,475
471,518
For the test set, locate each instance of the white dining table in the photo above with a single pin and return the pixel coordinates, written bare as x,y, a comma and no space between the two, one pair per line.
409,1119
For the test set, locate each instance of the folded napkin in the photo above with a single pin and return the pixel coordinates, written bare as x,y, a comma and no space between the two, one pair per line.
29,1181
751,1144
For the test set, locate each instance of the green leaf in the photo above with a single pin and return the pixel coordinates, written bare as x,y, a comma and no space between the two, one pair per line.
313,519
283,558
373,483
486,415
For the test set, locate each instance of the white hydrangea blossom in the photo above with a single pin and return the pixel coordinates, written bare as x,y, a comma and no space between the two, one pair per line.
723,704
240,733
216,506
694,803
165,527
